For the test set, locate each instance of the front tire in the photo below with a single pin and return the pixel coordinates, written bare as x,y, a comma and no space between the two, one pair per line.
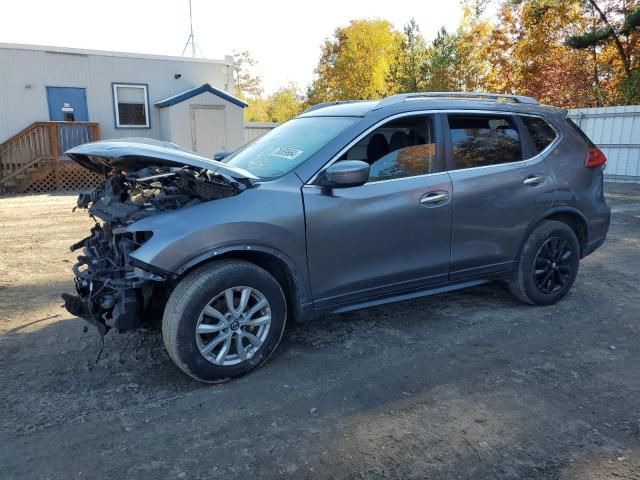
224,320
547,264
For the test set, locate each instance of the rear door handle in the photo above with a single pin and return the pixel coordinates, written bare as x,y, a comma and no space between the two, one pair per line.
434,199
533,180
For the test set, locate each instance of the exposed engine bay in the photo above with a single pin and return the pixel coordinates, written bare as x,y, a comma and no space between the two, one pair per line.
112,292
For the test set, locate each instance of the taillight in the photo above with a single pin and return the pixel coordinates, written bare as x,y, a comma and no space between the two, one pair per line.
595,158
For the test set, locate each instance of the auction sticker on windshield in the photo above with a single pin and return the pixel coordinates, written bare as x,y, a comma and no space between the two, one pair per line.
288,153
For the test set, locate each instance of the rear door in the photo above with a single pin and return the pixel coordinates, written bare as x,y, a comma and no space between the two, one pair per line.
391,234
500,184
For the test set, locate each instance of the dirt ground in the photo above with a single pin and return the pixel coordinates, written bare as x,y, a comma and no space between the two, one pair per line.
464,385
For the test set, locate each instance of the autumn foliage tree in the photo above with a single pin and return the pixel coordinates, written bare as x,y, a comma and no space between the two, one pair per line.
569,53
356,62
613,39
247,83
280,106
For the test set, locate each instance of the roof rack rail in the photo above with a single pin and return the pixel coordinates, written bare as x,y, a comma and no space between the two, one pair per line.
318,106
497,97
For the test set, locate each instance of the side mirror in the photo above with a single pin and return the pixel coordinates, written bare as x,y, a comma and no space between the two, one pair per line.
221,155
345,173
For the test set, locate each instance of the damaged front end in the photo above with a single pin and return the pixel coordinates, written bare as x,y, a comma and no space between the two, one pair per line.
142,179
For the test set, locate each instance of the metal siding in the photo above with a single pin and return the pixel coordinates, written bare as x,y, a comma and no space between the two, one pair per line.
616,130
20,106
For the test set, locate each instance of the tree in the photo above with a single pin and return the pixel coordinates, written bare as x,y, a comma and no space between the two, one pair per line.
473,47
284,104
247,84
441,63
407,73
355,63
610,30
616,29
527,55
258,110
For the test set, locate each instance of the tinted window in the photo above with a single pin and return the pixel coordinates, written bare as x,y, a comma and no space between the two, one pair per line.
479,140
285,147
541,132
404,147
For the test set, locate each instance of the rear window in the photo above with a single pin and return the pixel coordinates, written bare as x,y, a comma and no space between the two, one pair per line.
481,140
541,132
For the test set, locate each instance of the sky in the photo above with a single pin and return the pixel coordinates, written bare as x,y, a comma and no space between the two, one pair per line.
284,36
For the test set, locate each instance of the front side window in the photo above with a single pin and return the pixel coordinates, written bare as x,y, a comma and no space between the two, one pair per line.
481,140
404,147
131,106
541,132
285,147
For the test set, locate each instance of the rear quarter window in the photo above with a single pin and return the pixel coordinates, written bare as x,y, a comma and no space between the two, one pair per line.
542,134
573,125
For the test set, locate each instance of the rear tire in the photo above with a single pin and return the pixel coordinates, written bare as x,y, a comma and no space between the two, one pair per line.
547,264
224,320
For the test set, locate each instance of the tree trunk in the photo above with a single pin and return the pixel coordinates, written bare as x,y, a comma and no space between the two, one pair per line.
616,38
596,78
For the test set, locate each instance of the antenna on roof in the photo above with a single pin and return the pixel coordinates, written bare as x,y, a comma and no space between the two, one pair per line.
192,39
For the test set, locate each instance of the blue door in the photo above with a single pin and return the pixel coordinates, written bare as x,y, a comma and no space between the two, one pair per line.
69,104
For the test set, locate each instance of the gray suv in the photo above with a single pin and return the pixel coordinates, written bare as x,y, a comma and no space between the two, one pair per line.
348,205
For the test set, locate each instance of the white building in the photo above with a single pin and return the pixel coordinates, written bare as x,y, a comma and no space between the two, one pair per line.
183,100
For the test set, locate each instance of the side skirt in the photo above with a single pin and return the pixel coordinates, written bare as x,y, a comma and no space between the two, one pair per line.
407,295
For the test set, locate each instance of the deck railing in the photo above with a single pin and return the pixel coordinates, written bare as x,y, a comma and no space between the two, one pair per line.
42,142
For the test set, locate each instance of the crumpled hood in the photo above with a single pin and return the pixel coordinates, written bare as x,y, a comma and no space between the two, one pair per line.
136,153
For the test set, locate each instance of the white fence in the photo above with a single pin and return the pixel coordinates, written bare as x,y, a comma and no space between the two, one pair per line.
254,130
615,130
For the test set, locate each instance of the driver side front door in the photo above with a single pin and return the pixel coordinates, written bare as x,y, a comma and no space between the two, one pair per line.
391,234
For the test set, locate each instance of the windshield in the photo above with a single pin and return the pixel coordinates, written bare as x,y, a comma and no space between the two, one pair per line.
285,147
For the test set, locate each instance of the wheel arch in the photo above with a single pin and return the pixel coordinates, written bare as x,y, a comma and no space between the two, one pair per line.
565,214
292,279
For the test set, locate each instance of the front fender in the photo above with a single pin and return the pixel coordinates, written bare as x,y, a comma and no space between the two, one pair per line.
264,218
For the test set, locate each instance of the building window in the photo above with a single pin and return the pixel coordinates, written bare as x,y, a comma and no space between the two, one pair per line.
131,105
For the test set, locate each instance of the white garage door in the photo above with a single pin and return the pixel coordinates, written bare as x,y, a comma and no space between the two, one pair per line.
208,129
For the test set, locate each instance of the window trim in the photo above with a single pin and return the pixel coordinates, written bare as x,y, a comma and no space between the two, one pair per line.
116,112
524,140
451,159
439,156
438,114
439,137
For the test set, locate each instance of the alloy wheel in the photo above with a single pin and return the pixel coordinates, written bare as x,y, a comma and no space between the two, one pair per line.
553,265
233,325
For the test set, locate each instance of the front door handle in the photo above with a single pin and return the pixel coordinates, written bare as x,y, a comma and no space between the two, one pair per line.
533,180
434,199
